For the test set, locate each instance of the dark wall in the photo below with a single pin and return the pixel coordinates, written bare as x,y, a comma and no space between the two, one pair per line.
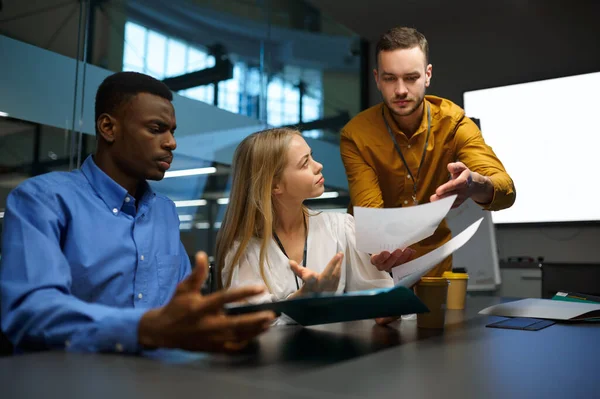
479,44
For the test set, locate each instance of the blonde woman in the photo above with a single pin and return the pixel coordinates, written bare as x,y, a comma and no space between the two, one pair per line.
269,237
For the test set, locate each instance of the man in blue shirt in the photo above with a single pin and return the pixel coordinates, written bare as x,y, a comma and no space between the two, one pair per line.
92,260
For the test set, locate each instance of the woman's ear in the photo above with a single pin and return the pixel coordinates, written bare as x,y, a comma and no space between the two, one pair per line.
276,189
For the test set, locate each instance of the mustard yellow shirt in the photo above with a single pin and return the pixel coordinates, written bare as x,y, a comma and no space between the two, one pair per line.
377,176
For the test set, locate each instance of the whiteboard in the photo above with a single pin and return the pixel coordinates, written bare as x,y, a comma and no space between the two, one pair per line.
543,156
479,256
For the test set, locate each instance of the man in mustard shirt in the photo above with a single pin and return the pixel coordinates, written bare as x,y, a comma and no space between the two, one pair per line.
413,148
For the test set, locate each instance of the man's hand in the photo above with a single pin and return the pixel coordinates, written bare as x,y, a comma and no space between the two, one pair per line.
465,184
327,281
385,260
195,322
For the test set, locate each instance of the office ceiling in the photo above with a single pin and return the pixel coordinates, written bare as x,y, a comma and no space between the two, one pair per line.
480,44
448,19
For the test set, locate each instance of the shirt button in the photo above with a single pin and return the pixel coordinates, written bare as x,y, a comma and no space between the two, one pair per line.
142,257
127,199
140,296
409,146
409,176
405,202
119,347
115,211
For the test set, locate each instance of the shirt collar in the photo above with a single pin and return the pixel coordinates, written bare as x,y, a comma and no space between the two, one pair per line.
113,194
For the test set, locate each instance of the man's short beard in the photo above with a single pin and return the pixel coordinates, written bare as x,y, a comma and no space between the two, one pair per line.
406,113
412,110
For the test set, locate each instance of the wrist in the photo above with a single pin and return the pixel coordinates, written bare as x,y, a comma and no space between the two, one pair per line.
298,293
148,334
293,295
482,189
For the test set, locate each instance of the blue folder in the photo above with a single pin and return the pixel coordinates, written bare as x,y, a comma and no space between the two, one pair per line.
328,308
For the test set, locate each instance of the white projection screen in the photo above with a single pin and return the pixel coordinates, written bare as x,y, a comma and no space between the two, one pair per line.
547,135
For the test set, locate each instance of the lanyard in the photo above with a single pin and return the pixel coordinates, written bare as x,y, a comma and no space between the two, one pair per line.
304,254
410,174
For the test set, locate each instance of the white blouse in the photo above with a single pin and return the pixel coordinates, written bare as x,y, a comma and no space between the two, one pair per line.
328,233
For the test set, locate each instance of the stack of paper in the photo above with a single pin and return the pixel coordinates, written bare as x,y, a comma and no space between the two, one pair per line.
388,229
545,309
411,272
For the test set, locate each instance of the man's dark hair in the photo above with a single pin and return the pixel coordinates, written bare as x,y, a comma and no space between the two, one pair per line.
118,89
401,37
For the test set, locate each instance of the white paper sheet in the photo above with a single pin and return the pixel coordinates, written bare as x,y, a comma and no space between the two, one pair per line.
387,229
544,309
411,272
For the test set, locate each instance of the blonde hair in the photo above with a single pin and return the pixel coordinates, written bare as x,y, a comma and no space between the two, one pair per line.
258,163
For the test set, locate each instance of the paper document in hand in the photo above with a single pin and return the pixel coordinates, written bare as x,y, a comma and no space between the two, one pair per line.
411,272
387,229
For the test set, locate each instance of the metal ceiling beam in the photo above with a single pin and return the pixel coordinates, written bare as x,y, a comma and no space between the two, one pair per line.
330,123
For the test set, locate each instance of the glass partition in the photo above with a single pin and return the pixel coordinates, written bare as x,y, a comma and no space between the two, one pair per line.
235,67
40,105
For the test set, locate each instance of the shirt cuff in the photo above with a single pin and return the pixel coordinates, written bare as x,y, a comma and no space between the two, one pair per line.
114,333
488,206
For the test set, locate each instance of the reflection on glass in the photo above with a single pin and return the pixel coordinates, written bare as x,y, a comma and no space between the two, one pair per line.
156,59
134,54
151,52
291,65
176,57
41,41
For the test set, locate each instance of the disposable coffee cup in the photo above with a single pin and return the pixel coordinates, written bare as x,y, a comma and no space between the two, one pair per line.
433,292
457,290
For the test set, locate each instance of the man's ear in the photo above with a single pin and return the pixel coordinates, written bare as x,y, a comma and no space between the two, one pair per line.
428,74
107,127
376,77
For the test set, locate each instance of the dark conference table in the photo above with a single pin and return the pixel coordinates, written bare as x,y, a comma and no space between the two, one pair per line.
344,360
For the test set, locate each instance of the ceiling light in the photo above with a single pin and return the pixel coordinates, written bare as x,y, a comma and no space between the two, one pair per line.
328,194
190,172
197,202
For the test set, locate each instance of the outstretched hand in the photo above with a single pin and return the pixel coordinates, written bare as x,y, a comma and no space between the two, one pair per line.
465,184
460,183
326,281
195,322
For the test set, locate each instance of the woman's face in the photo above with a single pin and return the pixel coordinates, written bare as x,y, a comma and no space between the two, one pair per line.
301,178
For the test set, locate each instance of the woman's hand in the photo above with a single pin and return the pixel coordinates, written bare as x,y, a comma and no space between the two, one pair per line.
327,281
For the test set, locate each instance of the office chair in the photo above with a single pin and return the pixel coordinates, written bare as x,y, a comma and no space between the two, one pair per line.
6,348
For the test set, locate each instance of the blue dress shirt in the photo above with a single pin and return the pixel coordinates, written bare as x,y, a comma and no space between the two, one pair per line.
80,265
